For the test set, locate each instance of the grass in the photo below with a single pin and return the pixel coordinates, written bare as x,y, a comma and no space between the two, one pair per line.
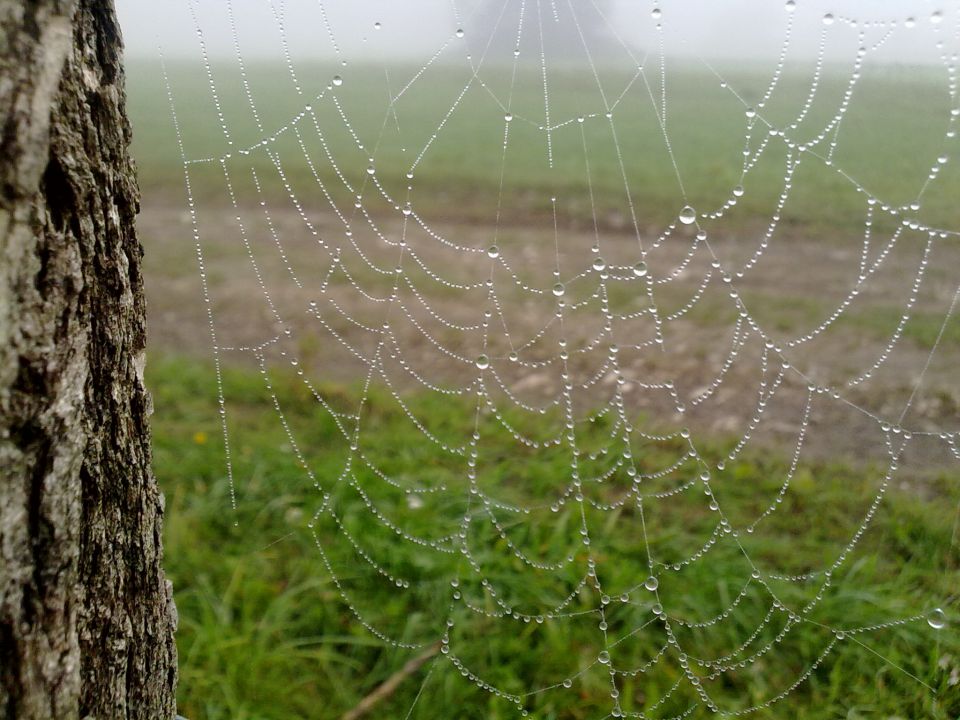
265,633
459,173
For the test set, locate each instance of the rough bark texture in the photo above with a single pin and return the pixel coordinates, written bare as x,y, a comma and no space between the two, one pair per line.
86,617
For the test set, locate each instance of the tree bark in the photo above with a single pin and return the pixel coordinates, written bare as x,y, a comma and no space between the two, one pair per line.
86,617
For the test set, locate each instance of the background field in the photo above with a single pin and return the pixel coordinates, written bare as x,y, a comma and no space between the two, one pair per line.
888,141
264,632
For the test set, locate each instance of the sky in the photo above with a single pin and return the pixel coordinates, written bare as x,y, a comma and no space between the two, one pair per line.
415,29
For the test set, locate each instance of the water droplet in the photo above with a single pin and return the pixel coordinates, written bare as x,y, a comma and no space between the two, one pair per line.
738,191
407,209
828,19
640,269
750,113
688,215
493,252
508,117
483,362
559,289
337,80
514,356
459,32
937,619
791,5
376,26
371,170
604,658
656,13
651,583
568,683
936,17
599,265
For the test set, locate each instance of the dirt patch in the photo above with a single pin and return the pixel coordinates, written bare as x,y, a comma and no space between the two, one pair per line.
292,284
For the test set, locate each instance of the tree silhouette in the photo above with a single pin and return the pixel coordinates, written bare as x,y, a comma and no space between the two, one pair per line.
567,29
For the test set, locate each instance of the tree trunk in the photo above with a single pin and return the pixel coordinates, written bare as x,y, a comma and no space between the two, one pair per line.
86,617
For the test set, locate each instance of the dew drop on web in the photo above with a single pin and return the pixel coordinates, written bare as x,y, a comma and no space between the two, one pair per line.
937,619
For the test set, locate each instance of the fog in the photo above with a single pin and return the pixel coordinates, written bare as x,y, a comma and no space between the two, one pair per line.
372,30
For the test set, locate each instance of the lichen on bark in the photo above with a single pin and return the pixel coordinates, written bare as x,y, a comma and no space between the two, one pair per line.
86,616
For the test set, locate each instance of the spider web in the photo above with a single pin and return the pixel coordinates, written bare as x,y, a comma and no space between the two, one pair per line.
567,347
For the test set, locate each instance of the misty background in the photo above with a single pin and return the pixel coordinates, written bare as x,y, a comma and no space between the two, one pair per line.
373,30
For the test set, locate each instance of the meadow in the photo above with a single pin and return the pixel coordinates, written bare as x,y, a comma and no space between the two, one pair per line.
265,633
888,140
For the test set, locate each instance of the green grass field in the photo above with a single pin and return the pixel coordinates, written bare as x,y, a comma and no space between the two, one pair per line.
264,632
888,140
